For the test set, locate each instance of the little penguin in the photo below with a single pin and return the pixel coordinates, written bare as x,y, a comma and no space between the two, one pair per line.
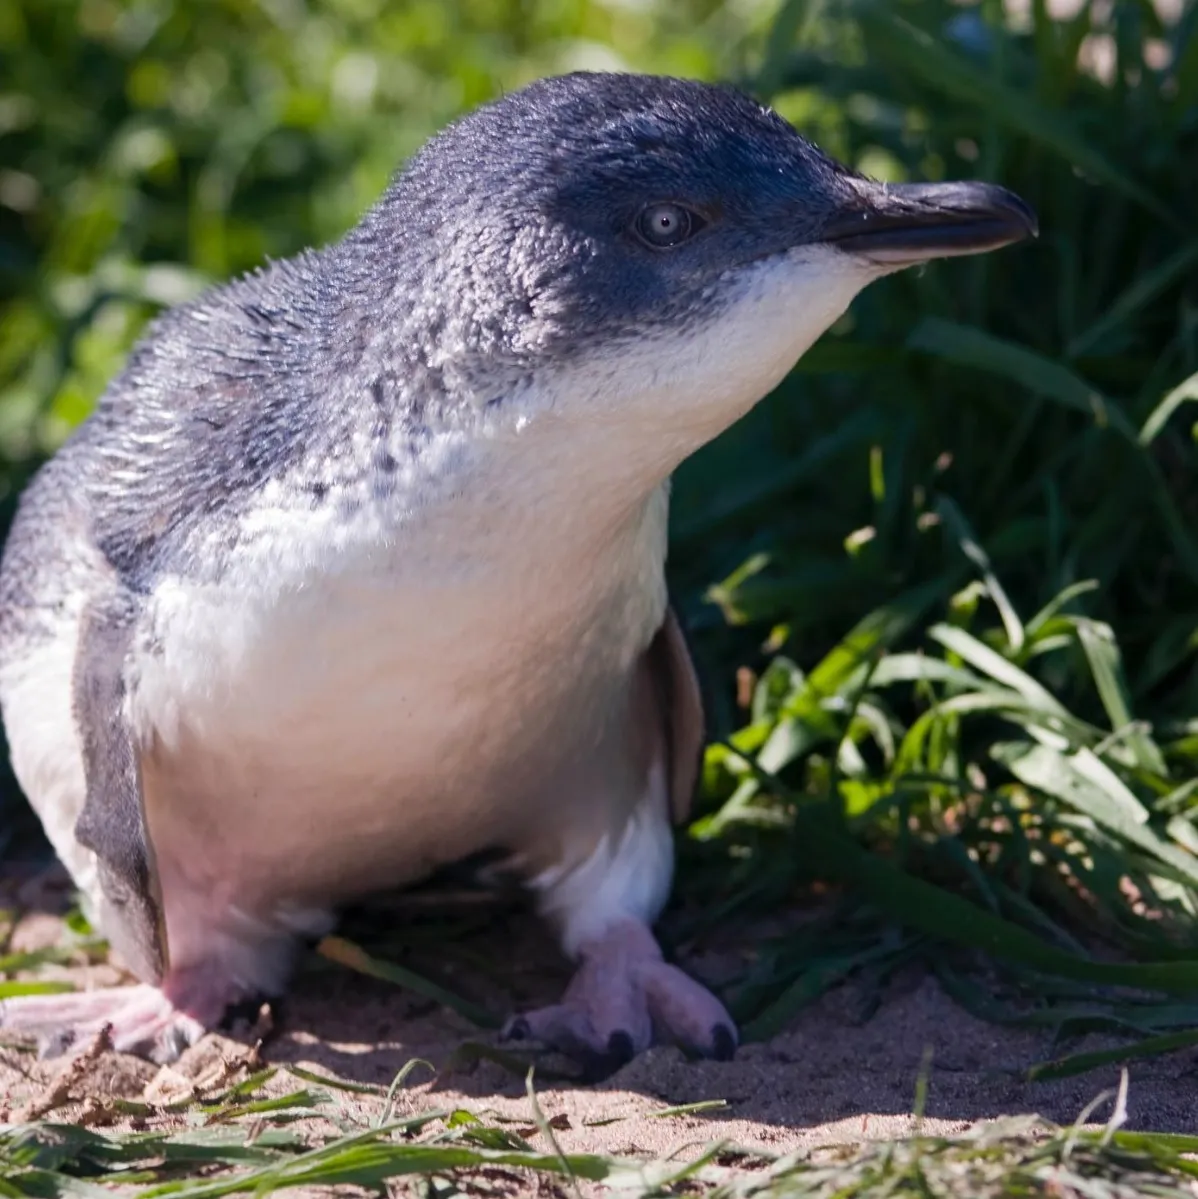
357,568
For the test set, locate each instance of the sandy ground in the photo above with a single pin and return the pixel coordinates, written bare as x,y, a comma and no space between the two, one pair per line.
827,1078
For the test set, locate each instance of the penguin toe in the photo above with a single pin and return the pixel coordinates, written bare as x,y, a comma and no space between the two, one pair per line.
581,1034
138,1019
687,1013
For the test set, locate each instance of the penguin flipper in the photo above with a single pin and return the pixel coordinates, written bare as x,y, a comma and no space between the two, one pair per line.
112,823
681,701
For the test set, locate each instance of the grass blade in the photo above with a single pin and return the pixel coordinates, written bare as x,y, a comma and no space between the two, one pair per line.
1106,665
346,953
1142,291
983,351
1080,1063
1159,417
1088,785
939,913
960,528
988,662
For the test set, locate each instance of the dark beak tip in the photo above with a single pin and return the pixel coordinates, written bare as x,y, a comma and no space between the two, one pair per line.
934,219
1023,214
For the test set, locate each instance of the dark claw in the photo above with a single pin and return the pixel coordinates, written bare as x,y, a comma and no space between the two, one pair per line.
516,1029
244,1011
723,1043
599,1066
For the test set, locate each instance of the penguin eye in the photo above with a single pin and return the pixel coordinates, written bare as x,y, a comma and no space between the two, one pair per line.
662,226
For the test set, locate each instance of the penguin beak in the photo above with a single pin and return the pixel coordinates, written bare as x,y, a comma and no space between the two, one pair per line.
901,224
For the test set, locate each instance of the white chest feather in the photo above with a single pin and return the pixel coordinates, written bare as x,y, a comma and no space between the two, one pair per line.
398,686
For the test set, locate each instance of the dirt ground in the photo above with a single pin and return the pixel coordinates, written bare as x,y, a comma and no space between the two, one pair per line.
827,1078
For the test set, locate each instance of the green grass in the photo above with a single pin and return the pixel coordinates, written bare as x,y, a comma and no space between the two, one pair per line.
238,1145
942,582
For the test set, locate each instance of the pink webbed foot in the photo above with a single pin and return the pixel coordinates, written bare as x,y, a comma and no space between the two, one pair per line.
141,1018
622,996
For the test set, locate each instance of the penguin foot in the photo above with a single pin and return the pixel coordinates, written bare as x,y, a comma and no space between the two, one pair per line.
623,997
141,1020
